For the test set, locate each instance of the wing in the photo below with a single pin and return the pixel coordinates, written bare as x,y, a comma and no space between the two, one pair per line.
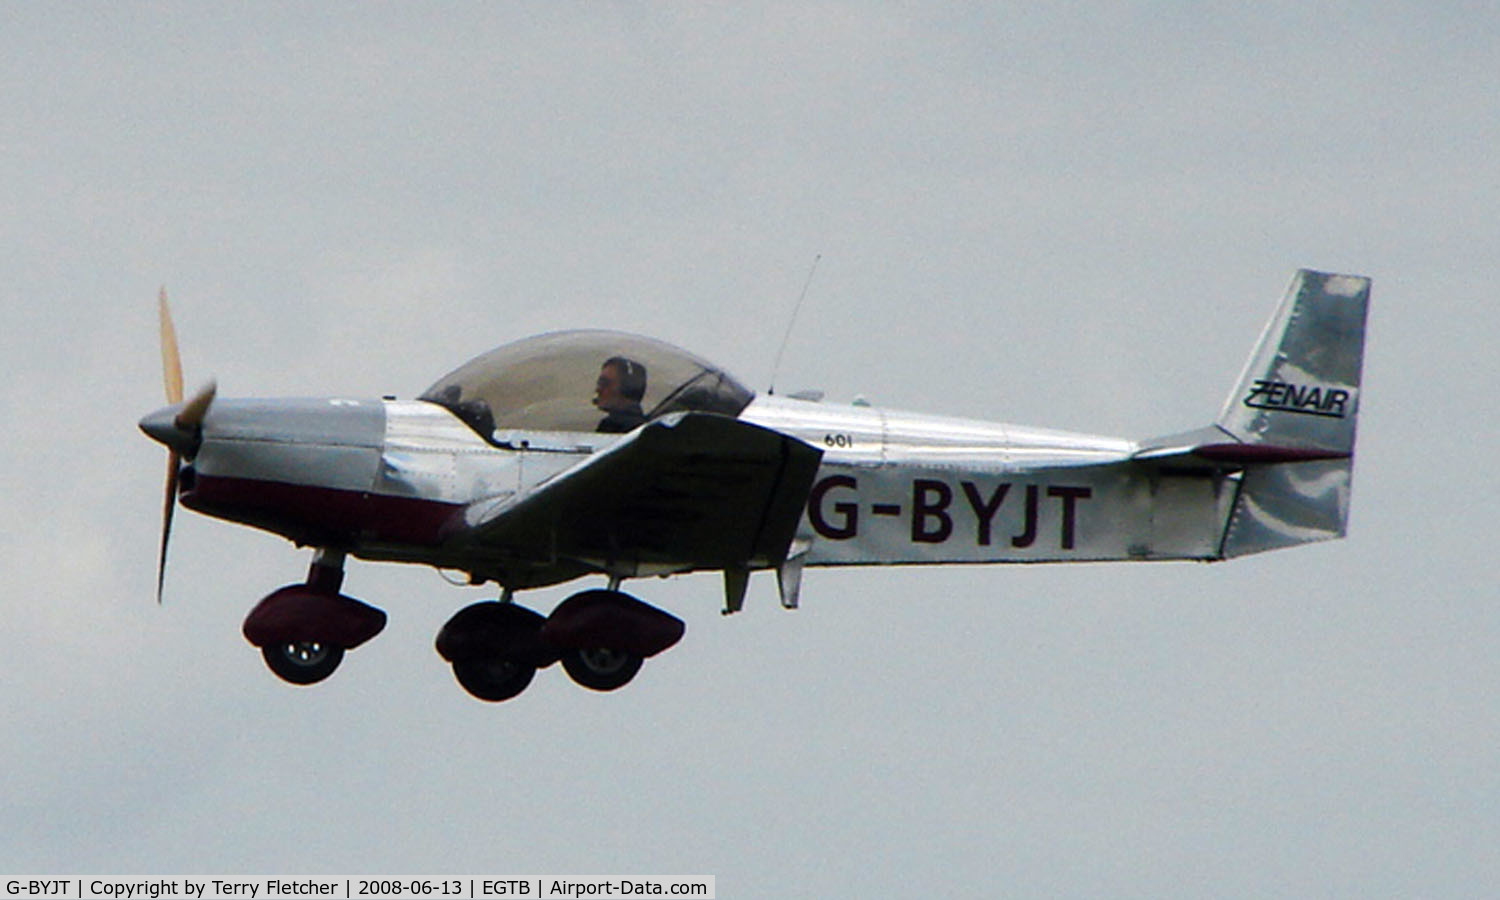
689,490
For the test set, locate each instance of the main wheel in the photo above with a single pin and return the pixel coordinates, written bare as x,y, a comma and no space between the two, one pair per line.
492,679
600,668
302,662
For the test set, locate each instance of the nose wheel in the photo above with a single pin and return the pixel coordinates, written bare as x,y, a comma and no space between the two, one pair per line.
303,662
302,630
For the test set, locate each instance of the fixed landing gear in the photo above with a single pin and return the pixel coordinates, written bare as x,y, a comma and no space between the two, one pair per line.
302,630
600,668
302,662
495,649
607,635
493,680
602,638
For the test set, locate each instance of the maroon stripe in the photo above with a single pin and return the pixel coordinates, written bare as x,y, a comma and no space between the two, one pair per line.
1264,453
322,515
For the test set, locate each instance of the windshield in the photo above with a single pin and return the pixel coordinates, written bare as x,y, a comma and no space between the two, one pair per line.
602,381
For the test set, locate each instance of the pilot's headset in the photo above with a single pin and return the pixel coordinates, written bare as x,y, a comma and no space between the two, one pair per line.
632,377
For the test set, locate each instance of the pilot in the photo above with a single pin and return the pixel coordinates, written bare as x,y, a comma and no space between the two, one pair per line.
475,412
621,385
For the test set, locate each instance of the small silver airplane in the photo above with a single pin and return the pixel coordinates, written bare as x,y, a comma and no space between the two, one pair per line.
507,469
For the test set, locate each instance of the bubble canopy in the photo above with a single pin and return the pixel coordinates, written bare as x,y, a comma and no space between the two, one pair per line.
573,381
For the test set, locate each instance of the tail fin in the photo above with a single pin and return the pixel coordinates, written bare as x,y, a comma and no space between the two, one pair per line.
1301,386
1293,414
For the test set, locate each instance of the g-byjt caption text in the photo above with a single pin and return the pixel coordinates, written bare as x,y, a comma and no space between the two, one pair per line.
539,888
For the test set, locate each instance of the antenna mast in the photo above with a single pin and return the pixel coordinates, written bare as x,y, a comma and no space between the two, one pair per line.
776,366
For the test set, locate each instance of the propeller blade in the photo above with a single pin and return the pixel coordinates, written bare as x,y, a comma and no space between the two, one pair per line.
187,420
171,362
192,414
168,505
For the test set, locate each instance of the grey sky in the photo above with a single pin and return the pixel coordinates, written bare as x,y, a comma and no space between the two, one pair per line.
1076,217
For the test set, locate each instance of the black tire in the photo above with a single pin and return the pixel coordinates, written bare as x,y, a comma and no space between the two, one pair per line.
601,669
493,679
492,630
302,662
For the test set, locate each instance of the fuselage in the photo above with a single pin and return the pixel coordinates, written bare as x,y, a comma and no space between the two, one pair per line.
392,480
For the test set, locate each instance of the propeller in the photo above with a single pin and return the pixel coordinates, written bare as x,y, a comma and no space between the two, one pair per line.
185,421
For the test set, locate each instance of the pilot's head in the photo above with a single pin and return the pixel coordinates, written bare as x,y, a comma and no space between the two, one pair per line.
621,384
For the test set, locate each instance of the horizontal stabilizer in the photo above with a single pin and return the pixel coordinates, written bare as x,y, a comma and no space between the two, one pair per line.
1213,448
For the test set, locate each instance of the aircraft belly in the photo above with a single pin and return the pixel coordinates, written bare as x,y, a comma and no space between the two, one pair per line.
862,515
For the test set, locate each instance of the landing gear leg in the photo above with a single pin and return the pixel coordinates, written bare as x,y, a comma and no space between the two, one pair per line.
326,574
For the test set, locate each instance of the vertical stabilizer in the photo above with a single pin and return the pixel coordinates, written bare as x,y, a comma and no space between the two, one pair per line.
1299,395
1301,386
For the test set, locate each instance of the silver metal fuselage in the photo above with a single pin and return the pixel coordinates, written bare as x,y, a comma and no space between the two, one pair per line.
906,488
392,480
